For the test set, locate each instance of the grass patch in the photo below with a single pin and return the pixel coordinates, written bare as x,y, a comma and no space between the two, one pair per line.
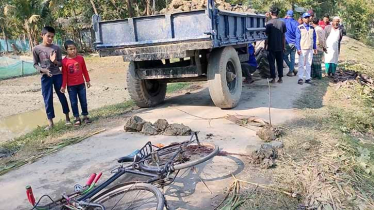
260,199
174,87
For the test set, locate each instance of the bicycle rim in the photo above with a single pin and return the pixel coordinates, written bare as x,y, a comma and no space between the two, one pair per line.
140,196
191,155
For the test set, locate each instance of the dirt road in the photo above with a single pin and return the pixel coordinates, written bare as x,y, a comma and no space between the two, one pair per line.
59,172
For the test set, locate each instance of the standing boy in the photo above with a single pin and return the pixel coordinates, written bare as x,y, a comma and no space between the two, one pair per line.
276,43
305,45
47,60
75,74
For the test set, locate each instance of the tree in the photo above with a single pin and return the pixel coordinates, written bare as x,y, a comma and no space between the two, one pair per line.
4,20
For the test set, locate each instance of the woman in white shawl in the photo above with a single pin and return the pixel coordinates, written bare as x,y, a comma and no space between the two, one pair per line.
334,35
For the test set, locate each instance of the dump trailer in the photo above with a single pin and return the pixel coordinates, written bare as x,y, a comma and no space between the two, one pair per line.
203,45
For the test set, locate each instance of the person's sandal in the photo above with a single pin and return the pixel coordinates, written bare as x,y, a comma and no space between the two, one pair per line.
87,120
68,123
77,122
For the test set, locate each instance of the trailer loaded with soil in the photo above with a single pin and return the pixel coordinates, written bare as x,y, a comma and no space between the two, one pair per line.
202,45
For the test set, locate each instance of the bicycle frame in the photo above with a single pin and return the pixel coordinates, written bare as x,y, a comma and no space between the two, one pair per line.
154,174
133,168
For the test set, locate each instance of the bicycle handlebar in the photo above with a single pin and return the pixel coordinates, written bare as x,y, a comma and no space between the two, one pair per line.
30,195
90,180
98,177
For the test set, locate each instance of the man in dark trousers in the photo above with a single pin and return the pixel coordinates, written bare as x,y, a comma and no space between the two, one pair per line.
289,54
276,43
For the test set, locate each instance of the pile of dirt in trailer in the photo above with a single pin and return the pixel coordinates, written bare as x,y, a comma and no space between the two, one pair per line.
186,6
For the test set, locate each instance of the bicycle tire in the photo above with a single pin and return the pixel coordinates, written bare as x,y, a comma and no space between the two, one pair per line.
126,187
215,149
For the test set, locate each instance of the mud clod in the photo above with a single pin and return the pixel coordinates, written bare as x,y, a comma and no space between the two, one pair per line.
134,124
277,144
266,133
177,130
269,134
268,163
161,124
266,151
149,129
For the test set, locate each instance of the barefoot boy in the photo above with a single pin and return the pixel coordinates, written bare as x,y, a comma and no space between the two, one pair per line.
47,60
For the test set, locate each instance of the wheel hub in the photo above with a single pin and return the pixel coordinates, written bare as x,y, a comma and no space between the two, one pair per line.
230,76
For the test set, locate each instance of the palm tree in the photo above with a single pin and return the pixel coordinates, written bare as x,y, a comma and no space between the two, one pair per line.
5,20
29,13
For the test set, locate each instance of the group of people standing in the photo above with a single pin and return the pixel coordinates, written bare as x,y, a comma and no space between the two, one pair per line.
312,40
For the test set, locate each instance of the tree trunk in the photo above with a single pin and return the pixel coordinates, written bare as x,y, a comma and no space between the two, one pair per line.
148,7
6,40
129,8
93,7
293,5
27,29
153,7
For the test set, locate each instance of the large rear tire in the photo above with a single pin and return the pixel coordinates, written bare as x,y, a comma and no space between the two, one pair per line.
225,77
145,93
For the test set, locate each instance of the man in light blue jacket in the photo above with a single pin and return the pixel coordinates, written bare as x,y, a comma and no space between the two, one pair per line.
289,54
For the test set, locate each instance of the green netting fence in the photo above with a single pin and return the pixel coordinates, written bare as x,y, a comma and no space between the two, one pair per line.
10,68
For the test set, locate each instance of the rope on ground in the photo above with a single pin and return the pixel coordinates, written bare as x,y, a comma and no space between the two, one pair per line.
203,118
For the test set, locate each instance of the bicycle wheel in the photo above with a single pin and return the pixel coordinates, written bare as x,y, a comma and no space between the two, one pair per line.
140,196
190,155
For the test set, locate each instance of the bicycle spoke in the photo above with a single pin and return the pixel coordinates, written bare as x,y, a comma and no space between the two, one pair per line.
131,199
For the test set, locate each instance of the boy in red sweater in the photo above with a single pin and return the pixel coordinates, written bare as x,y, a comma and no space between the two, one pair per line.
73,71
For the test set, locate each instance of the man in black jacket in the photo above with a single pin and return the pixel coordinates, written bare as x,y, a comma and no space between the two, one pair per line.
276,43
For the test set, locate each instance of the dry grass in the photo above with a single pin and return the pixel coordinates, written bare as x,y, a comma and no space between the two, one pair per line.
328,158
359,55
322,159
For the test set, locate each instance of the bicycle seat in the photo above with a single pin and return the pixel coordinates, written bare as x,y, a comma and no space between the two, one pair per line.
128,158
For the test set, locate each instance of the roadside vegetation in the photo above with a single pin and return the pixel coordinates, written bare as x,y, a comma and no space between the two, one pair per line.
328,158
